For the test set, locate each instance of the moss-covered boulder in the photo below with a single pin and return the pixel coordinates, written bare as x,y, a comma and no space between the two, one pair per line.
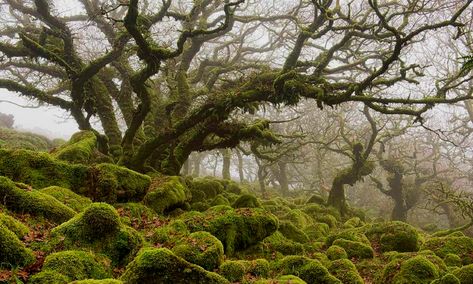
452,260
162,266
233,270
164,196
335,252
41,170
220,200
27,200
292,232
418,270
13,252
309,270
96,281
237,229
68,197
79,149
316,199
246,201
461,246
464,274
13,225
98,228
205,188
345,271
285,279
355,249
200,248
394,236
113,184
73,265
278,244
48,276
447,279
354,222
14,139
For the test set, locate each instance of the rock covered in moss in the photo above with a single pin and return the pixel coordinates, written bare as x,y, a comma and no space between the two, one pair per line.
345,271
72,265
317,231
117,184
285,279
335,252
162,266
95,281
457,245
200,248
278,244
79,149
309,270
14,139
394,236
464,274
418,270
220,200
48,276
355,249
166,195
170,234
13,252
452,260
316,199
27,200
205,188
233,270
448,279
237,229
354,222
298,218
292,232
246,201
13,225
99,229
67,197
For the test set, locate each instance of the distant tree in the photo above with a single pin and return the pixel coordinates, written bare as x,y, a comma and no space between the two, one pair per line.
7,120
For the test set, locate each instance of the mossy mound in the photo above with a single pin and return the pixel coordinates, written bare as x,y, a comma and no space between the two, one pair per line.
354,222
162,266
237,229
13,252
394,236
13,225
457,245
285,279
200,248
94,281
345,271
98,228
335,252
72,265
165,196
418,270
309,270
27,200
452,260
464,274
68,197
14,139
278,244
220,200
292,232
232,270
355,249
448,279
79,149
238,270
246,201
117,184
316,199
205,188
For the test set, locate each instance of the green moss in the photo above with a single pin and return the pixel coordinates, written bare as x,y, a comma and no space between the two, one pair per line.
285,279
328,219
394,236
442,246
236,229
230,186
13,225
40,170
48,276
162,266
298,218
447,279
13,253
13,139
354,222
200,248
94,281
68,197
200,206
171,233
220,200
355,235
280,244
335,252
418,270
257,267
452,260
315,210
118,184
292,232
233,270
317,230
79,149
309,270
168,195
316,199
76,265
464,274
355,249
207,186
345,271
137,213
98,228
33,202
246,201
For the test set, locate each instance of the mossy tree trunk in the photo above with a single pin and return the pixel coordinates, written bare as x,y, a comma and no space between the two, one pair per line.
226,156
282,178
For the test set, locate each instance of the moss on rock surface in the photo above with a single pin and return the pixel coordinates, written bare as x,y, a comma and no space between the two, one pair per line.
309,270
68,197
32,201
335,252
233,270
203,188
99,228
162,266
418,270
355,249
13,253
292,232
345,271
458,245
464,274
394,236
167,195
13,225
237,229
79,149
246,201
200,248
